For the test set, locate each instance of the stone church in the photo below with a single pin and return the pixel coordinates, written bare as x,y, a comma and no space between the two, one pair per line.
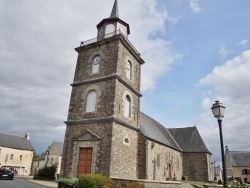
107,133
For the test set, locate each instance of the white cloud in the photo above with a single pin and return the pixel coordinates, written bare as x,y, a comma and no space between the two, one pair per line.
147,24
243,43
37,57
223,51
230,83
195,5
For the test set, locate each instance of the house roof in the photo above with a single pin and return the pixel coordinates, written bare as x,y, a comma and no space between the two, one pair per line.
39,158
15,142
240,158
185,139
59,147
157,132
189,139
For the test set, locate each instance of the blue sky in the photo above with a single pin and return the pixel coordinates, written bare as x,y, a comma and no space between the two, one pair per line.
196,51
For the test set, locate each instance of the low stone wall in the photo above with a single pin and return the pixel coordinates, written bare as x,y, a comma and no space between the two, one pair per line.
212,186
150,183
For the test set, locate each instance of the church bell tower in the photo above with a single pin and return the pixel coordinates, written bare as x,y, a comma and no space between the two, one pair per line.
103,118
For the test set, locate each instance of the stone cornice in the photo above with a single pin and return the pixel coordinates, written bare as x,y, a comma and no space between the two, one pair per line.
104,78
101,120
120,37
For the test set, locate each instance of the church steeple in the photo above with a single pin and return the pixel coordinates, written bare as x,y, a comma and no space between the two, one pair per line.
115,12
113,25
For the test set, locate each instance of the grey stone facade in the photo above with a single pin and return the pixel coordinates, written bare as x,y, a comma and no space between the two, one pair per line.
196,166
115,143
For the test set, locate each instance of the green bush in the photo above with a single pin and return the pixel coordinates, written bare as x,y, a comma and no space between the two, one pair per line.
93,181
112,185
239,185
67,183
46,173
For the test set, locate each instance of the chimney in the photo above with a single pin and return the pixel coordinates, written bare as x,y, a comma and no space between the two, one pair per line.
27,136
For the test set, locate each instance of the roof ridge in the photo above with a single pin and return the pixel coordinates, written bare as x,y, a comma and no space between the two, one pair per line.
174,139
12,134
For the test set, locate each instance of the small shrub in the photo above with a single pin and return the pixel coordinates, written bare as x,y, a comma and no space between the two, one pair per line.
112,185
93,181
46,173
239,185
68,183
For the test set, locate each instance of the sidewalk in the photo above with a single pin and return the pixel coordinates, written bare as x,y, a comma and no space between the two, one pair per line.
51,184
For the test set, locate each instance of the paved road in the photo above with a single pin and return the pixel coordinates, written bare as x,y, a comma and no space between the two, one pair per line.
19,182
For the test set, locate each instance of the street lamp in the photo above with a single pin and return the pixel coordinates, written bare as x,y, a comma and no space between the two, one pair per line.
218,111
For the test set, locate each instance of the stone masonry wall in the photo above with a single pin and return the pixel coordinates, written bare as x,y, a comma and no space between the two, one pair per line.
123,152
104,130
163,163
111,86
141,155
195,166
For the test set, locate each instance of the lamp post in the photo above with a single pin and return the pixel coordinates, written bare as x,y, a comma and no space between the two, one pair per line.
218,111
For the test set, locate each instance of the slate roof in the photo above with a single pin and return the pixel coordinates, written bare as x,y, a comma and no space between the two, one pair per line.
240,158
155,131
59,147
189,139
39,158
185,139
15,142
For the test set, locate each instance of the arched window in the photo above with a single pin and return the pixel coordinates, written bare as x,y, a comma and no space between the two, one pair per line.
96,64
110,28
91,101
127,107
129,70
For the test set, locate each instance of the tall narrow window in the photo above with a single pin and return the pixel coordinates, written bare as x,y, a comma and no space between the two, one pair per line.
96,64
91,101
129,70
11,157
127,106
21,157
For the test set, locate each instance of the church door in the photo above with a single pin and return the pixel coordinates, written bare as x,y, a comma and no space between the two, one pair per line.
85,161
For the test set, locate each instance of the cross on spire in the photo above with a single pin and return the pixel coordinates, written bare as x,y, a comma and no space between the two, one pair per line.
115,12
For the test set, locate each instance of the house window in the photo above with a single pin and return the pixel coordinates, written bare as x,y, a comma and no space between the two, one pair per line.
21,157
37,163
91,101
129,70
127,107
96,64
0,150
51,161
245,172
11,157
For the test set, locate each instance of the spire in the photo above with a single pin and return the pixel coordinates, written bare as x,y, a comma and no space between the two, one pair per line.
115,12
